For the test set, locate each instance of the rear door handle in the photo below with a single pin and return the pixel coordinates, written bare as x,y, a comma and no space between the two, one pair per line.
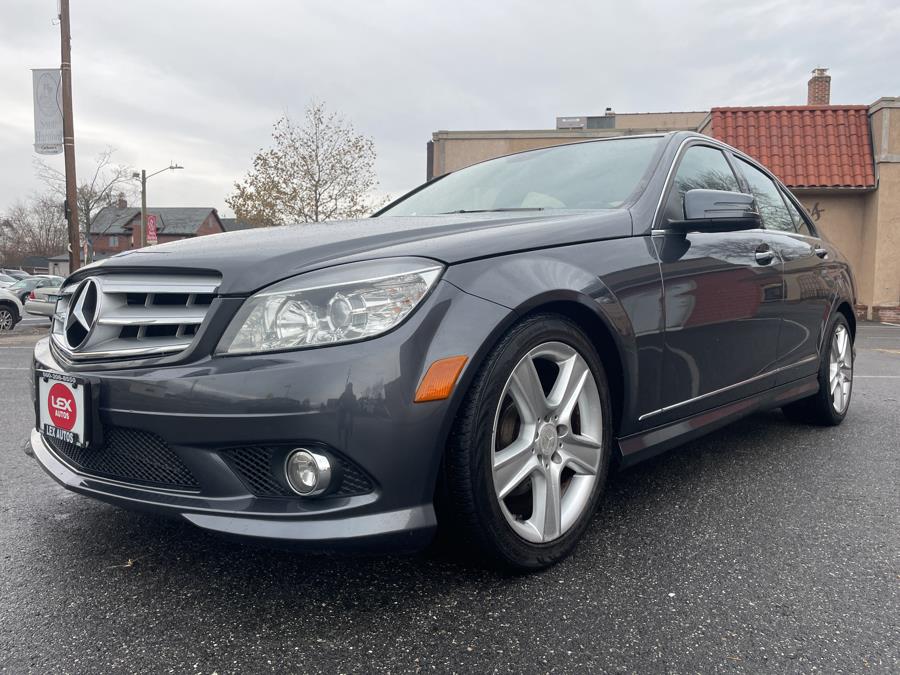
764,257
822,252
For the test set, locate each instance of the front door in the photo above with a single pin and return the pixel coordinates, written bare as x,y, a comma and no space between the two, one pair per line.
723,300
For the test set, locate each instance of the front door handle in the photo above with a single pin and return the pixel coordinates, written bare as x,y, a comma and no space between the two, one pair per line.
822,252
764,255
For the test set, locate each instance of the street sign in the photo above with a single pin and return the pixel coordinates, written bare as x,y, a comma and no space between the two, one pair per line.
151,230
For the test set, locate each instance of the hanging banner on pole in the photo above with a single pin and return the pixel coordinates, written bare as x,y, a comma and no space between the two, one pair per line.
151,229
48,117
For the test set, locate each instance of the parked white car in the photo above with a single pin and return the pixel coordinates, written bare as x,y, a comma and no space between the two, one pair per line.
11,310
6,280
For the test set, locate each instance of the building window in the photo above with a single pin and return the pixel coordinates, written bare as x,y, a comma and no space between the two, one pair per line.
113,241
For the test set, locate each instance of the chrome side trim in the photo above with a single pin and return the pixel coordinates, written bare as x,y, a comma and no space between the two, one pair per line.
768,373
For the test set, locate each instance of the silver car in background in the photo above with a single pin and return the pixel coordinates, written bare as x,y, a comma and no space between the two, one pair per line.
42,301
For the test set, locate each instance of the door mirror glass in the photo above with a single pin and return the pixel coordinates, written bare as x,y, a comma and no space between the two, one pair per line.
717,211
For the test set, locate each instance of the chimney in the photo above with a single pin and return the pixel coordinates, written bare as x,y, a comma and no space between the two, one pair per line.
121,202
819,88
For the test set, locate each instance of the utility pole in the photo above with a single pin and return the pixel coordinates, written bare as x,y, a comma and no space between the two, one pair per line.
144,176
143,208
69,137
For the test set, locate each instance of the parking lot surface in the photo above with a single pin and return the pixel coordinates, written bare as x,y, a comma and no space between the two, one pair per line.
765,546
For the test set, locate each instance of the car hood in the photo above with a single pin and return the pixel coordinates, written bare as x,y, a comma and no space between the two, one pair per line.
250,259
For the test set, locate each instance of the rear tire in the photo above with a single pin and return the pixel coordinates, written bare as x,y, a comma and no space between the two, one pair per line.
524,473
830,404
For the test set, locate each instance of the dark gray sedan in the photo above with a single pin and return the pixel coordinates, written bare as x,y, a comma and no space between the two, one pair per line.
478,355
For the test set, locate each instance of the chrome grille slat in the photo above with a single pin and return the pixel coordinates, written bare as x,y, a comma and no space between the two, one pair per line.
150,315
127,283
136,316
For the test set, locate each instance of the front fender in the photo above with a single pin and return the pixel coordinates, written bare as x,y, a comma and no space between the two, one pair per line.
617,282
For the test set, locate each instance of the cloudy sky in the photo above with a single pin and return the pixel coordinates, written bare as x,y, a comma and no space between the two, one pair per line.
200,82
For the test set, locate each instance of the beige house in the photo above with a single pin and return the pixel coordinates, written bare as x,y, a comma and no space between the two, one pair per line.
842,162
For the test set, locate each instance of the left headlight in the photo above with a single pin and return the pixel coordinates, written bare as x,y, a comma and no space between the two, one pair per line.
338,304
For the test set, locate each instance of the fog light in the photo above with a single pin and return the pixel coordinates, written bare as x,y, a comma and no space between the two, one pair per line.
308,473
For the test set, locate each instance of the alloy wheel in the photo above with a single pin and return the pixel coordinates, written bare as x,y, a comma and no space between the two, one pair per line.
546,442
6,319
840,372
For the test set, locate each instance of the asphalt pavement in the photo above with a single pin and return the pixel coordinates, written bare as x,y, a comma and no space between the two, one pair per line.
766,546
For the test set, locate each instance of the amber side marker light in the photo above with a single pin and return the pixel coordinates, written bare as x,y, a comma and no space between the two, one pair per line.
440,379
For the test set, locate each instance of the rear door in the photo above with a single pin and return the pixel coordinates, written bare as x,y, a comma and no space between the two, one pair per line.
808,291
723,295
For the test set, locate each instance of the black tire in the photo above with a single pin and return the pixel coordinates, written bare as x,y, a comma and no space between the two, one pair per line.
474,507
818,409
9,317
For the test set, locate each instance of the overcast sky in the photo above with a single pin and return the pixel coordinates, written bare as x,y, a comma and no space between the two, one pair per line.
201,82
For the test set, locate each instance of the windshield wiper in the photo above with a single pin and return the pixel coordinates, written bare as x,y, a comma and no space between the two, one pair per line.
503,210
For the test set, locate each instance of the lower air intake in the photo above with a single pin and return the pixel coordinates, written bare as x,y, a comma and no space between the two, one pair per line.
129,456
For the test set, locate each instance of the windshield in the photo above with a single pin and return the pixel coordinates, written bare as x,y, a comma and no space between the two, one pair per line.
23,284
592,175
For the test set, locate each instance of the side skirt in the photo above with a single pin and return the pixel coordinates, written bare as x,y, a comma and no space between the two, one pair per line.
645,444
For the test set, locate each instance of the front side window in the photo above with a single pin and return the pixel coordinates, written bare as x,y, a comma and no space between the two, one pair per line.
799,222
774,212
580,176
701,168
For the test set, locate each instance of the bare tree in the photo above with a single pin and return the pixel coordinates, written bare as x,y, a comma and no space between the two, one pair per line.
36,227
320,170
108,181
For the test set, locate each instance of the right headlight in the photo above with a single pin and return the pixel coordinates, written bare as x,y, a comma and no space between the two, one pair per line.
338,304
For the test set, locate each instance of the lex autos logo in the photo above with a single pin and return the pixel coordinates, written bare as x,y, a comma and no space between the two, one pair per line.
61,405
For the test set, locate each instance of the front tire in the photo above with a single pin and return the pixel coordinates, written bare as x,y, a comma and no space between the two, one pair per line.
529,453
8,318
830,404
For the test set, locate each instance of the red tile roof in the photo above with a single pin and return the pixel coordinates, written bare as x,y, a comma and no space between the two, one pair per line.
805,146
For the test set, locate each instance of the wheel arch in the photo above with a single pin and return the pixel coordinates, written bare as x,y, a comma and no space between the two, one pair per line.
8,304
601,337
845,309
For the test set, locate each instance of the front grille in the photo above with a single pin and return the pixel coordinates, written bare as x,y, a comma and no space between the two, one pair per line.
129,456
132,315
260,467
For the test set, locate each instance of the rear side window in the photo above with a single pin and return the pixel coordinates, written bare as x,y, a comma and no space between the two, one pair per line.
799,221
774,212
701,168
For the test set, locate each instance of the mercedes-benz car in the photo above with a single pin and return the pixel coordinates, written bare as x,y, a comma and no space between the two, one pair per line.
477,355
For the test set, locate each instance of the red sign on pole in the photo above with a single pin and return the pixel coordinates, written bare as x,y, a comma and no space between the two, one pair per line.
151,229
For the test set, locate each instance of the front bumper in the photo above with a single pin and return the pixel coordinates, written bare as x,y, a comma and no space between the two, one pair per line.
352,400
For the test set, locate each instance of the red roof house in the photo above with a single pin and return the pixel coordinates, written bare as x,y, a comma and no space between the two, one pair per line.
820,146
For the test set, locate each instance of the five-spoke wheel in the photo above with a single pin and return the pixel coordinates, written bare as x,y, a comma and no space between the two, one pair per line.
829,405
547,448
840,371
530,450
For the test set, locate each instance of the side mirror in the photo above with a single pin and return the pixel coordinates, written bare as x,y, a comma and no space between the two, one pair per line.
717,211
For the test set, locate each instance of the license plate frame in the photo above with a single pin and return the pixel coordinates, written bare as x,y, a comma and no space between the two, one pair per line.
65,407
